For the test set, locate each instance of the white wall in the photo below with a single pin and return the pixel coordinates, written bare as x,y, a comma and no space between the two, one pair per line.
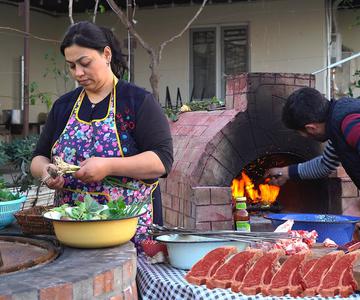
285,36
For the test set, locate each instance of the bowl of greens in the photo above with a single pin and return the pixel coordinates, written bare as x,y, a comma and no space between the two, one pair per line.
89,224
10,203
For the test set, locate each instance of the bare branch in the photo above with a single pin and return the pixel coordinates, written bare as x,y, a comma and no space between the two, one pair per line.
71,12
31,35
129,26
95,10
163,44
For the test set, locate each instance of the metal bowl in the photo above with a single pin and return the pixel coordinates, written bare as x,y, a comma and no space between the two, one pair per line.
185,250
93,233
339,228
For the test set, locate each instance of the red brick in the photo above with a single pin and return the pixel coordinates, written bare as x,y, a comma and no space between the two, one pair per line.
201,195
103,283
203,226
189,223
240,102
213,213
130,293
58,292
117,297
340,172
171,217
349,189
350,206
181,220
173,187
187,208
166,200
128,271
225,225
220,195
5,297
176,203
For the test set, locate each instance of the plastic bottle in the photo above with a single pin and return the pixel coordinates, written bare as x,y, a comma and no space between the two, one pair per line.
241,215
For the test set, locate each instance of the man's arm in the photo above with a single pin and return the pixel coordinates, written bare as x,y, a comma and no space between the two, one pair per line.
350,127
318,167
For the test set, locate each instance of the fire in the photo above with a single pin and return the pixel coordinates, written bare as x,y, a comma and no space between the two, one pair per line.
265,194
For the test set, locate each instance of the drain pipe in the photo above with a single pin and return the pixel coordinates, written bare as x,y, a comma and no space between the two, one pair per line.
328,14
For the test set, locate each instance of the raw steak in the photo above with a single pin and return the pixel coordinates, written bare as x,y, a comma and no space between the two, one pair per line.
296,288
260,273
234,269
282,281
339,279
312,279
207,266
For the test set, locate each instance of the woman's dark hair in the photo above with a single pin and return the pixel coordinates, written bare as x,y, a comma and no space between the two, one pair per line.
89,35
304,106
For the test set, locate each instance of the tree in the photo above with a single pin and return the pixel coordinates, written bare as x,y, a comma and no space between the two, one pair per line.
154,53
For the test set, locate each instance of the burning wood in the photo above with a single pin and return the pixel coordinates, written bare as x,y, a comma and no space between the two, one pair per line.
264,193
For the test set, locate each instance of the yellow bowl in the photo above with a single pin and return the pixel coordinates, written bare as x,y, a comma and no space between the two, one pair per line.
93,233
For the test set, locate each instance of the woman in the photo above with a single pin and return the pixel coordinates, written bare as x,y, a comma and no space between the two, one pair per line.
107,126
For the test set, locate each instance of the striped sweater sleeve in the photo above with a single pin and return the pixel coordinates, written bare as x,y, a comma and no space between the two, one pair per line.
318,167
350,127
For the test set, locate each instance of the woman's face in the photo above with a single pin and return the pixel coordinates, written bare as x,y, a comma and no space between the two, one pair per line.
88,67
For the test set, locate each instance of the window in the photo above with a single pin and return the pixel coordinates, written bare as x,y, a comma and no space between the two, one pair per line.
215,53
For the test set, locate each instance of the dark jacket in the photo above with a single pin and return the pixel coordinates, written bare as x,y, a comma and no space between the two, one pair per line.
348,156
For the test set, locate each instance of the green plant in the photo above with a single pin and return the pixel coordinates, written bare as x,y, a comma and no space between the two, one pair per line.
17,158
59,74
35,93
208,104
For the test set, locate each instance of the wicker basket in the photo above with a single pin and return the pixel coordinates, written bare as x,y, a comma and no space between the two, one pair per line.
31,220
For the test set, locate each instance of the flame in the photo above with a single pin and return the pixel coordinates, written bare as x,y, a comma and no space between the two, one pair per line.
266,194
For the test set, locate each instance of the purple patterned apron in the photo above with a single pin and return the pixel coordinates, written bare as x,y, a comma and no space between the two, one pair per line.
81,140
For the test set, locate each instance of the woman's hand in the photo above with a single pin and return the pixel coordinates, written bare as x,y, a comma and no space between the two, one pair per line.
51,180
277,176
92,169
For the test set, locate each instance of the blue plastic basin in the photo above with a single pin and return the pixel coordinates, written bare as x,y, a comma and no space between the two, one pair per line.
339,228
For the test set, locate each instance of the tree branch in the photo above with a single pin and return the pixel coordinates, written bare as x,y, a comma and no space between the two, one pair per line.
95,10
31,35
163,44
129,26
71,12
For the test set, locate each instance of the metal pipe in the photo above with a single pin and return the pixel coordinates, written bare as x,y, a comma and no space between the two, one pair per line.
337,63
22,66
26,68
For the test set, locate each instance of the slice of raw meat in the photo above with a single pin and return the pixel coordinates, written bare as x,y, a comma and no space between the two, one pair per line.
234,269
260,273
340,277
282,280
296,288
207,266
312,279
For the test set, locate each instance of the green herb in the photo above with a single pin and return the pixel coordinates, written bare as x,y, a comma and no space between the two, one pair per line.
113,181
5,194
92,210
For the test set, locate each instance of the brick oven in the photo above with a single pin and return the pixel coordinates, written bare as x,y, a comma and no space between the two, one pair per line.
211,148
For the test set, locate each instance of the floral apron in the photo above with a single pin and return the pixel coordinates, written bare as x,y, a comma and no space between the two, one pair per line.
81,140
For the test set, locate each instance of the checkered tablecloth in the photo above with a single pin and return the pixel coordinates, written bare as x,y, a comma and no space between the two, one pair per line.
163,282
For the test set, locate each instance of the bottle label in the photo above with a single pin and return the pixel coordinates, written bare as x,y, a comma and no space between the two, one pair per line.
240,205
242,226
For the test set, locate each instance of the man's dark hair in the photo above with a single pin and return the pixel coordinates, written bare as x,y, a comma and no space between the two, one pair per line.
304,106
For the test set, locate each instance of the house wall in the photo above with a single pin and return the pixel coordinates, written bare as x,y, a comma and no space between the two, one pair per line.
285,36
346,20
